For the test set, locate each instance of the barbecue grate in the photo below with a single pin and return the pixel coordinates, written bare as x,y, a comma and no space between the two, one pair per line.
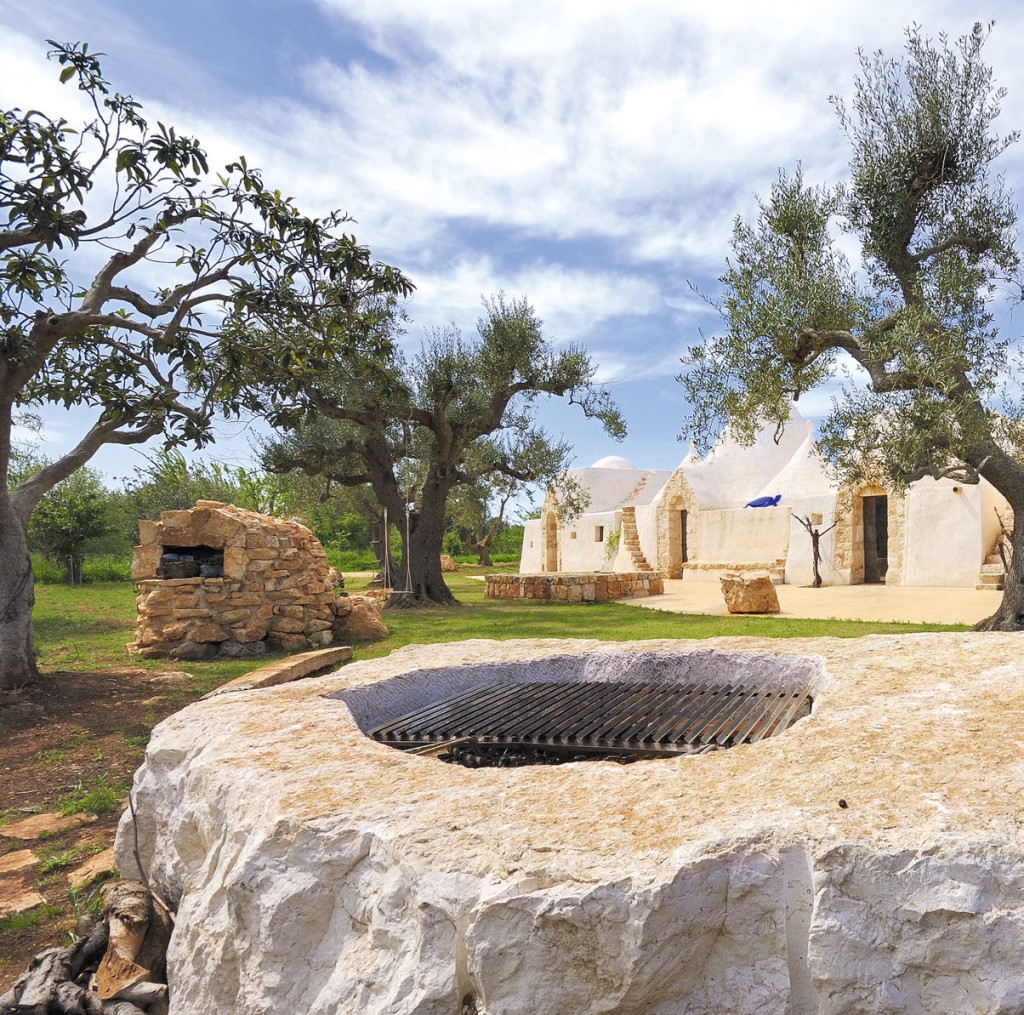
548,722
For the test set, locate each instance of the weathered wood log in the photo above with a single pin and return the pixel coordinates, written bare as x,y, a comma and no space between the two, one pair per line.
47,969
88,949
72,999
132,940
121,1008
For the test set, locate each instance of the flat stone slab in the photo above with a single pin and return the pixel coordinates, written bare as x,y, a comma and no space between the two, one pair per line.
93,868
18,898
869,859
45,824
18,861
285,670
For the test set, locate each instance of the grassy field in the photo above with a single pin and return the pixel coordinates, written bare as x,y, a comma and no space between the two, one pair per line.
85,627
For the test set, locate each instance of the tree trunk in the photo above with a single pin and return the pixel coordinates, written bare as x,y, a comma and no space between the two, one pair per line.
816,558
482,551
421,556
1007,476
17,597
1010,615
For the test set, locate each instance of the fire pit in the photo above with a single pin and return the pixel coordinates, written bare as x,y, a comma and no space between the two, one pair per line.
315,869
549,722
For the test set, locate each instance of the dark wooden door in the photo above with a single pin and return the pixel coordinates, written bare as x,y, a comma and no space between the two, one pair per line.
683,555
876,538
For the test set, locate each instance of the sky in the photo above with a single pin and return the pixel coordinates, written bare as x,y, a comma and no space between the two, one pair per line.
591,156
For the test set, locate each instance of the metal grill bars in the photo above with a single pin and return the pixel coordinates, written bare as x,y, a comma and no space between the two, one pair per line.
613,717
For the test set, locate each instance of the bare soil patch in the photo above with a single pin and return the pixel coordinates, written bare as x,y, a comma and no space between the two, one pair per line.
70,737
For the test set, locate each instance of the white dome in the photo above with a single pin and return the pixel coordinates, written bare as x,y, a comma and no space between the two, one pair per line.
614,462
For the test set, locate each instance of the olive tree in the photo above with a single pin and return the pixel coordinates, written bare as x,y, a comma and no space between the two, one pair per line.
460,413
89,217
912,328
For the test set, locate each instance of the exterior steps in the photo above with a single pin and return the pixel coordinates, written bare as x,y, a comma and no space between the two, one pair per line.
631,539
992,574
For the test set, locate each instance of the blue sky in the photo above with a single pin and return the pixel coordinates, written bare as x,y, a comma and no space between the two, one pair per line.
591,155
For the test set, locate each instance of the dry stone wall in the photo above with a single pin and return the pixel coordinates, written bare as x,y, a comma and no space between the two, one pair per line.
575,588
275,589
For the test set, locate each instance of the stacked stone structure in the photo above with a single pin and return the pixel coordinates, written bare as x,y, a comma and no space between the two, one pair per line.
575,588
275,590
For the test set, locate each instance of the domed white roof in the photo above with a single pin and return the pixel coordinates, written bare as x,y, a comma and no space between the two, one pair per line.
614,462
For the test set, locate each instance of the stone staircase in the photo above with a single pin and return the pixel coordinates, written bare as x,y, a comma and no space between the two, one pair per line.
636,491
631,538
992,574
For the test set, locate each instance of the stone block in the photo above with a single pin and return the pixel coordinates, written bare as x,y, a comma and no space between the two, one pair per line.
286,625
242,649
145,560
233,616
362,623
194,651
222,525
291,611
255,630
235,562
282,642
261,554
175,631
749,592
207,632
321,639
150,533
176,520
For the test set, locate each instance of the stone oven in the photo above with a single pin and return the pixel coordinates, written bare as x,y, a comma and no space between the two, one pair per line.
217,579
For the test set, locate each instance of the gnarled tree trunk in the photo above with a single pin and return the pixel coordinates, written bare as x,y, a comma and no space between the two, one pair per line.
17,597
420,571
1007,476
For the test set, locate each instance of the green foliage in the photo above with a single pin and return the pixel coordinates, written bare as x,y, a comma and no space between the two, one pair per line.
98,798
90,213
17,923
460,414
937,231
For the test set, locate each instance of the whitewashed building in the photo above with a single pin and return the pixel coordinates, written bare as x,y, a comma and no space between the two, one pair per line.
692,523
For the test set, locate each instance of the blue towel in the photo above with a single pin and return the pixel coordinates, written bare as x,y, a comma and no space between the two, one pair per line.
765,501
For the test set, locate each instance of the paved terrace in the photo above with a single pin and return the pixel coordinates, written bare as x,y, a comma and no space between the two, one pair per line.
840,602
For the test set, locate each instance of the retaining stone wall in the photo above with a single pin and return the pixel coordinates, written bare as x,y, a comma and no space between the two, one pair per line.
575,588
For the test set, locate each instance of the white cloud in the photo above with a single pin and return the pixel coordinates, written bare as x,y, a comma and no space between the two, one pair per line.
570,301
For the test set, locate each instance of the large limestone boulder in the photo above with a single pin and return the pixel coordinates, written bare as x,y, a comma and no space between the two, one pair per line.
447,564
868,860
357,618
749,592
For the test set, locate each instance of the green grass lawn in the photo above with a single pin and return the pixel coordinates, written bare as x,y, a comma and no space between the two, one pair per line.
86,627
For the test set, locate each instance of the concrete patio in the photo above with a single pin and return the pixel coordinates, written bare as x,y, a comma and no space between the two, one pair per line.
841,602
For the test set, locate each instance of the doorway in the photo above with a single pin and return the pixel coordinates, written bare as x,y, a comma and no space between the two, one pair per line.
876,538
683,555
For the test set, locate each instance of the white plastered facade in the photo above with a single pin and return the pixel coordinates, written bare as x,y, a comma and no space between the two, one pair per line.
691,522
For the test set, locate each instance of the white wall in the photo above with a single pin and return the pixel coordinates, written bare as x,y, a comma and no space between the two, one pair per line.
991,501
944,534
585,553
532,557
647,530
744,534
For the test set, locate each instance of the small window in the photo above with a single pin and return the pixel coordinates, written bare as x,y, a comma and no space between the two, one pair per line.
572,535
599,534
531,544
815,519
